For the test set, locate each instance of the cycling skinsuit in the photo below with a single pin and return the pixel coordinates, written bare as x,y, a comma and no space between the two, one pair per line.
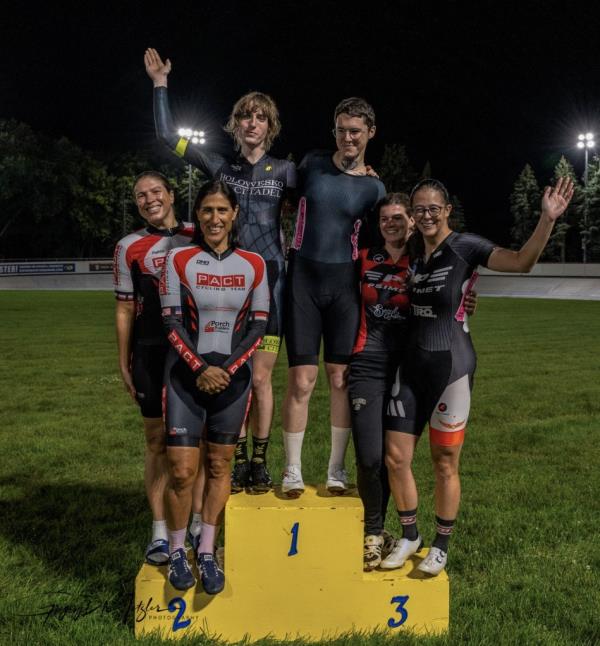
437,377
215,309
138,261
321,294
377,353
260,189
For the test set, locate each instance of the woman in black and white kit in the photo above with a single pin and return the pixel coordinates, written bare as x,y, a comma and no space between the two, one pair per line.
437,375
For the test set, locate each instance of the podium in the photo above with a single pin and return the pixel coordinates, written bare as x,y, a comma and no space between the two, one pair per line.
293,569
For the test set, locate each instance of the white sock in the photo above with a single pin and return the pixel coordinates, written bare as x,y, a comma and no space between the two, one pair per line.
159,530
339,444
176,539
196,524
292,443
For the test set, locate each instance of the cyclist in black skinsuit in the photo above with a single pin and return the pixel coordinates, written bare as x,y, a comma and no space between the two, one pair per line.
321,297
261,184
142,343
437,376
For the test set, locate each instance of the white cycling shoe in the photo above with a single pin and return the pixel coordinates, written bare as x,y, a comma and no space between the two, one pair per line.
434,562
337,480
401,552
292,484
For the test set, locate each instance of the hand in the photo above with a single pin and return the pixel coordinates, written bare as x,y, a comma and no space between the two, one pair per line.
470,302
128,383
213,380
370,171
155,68
556,199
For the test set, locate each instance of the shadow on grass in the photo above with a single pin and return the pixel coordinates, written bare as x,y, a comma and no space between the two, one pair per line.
89,538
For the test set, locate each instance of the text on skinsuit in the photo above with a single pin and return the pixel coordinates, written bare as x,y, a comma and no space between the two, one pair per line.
212,280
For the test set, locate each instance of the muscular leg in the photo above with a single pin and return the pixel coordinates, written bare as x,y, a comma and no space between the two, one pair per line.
399,452
447,481
183,465
155,466
301,383
261,412
339,414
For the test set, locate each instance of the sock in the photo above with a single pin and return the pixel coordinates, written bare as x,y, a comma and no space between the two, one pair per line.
176,539
208,538
339,444
259,449
443,530
292,442
159,530
408,520
241,449
196,524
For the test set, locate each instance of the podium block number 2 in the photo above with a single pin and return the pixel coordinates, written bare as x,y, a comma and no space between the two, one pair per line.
177,603
401,610
294,544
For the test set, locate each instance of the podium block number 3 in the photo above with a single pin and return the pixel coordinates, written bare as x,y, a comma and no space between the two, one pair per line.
401,610
294,544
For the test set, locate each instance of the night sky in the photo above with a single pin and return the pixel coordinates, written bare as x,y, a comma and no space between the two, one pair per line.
478,89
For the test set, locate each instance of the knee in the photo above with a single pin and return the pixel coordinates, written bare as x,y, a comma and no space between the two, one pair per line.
261,382
337,380
445,467
301,386
398,462
182,476
218,467
369,467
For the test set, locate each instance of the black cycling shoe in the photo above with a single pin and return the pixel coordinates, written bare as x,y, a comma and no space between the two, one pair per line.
240,476
260,479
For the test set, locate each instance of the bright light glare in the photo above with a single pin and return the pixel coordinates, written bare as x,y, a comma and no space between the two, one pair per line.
591,144
181,132
580,144
589,136
581,137
202,141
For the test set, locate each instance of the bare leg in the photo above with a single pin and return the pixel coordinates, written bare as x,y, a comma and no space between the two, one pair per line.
155,465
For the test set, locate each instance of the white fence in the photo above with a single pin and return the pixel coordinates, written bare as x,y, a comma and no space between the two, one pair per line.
564,281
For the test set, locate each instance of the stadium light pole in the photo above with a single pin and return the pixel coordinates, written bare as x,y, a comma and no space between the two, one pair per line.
585,142
195,137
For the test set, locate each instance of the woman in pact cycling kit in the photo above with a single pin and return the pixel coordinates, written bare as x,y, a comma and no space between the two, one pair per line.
435,382
141,339
261,183
215,305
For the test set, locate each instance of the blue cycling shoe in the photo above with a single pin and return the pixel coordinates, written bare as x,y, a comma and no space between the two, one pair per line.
157,552
180,574
211,574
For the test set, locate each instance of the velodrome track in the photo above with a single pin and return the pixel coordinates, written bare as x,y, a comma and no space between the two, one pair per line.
554,281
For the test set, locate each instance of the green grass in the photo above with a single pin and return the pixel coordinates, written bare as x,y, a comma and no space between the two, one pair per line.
525,558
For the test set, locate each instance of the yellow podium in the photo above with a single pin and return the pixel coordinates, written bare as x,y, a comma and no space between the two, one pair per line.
293,568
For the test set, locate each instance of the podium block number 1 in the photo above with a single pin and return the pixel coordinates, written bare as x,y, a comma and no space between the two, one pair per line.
294,545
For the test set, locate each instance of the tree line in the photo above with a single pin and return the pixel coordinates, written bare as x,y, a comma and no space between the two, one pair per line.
60,201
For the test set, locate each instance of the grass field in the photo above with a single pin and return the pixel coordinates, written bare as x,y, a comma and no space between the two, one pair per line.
524,560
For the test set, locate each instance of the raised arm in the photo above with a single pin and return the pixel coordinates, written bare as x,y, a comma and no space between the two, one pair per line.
554,203
166,132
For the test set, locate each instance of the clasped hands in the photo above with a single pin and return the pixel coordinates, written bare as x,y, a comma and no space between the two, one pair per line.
213,380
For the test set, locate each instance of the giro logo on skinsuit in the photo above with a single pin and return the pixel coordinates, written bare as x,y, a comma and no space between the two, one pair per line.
217,326
233,281
424,311
358,403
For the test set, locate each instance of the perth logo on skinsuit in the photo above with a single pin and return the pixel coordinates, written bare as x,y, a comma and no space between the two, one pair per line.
268,168
217,326
232,281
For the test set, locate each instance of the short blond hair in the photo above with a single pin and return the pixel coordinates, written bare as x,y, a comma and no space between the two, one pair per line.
253,102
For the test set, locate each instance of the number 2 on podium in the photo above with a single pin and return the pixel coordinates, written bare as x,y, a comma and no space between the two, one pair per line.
294,545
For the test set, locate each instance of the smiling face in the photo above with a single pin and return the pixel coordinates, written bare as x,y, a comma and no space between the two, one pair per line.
431,212
352,136
216,216
395,224
155,202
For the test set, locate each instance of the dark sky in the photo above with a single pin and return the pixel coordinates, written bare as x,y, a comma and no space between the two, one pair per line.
478,89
